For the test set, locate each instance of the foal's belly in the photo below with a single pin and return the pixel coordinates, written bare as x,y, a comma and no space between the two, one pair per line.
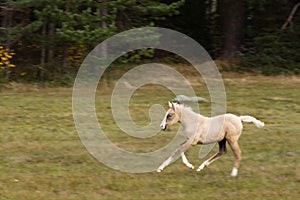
209,138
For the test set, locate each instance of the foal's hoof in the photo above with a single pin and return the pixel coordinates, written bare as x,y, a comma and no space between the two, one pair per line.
159,170
234,172
190,166
200,169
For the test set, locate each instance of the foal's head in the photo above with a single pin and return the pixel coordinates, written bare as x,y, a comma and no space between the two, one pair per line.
171,117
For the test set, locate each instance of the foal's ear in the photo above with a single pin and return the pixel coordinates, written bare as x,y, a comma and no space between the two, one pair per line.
171,105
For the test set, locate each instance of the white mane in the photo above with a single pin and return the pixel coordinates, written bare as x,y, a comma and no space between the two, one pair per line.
185,107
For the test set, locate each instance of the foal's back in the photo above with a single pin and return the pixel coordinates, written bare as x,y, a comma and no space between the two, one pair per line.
219,127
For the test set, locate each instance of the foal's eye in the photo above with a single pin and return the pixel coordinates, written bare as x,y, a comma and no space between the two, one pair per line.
169,116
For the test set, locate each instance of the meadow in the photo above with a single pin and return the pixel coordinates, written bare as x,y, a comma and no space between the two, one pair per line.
42,156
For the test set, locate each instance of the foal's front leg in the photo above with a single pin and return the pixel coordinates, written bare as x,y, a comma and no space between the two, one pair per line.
179,151
186,162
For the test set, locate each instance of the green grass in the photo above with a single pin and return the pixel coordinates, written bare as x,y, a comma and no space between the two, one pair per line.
42,156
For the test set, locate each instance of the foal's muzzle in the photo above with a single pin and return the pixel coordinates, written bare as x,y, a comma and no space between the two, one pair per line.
163,127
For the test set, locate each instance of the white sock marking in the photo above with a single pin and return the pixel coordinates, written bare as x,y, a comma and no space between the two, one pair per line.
234,172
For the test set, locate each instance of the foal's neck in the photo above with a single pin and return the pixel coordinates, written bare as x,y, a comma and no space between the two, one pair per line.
189,120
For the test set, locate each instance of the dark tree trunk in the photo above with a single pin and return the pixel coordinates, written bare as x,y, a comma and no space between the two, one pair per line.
41,68
103,25
43,50
51,29
233,26
65,60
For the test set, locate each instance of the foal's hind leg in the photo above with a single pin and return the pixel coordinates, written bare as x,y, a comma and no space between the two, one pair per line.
237,154
222,150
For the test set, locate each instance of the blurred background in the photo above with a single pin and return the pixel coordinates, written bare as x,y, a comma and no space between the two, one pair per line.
46,40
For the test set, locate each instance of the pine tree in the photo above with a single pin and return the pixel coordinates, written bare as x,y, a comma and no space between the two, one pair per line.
55,30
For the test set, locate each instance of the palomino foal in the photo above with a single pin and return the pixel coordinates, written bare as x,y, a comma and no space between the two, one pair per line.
204,130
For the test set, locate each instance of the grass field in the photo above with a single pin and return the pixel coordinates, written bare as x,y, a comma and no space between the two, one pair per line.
42,156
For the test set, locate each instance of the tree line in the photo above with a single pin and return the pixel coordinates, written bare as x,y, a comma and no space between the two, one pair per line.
47,39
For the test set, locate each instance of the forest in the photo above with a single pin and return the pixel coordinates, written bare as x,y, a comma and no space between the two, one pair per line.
46,40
